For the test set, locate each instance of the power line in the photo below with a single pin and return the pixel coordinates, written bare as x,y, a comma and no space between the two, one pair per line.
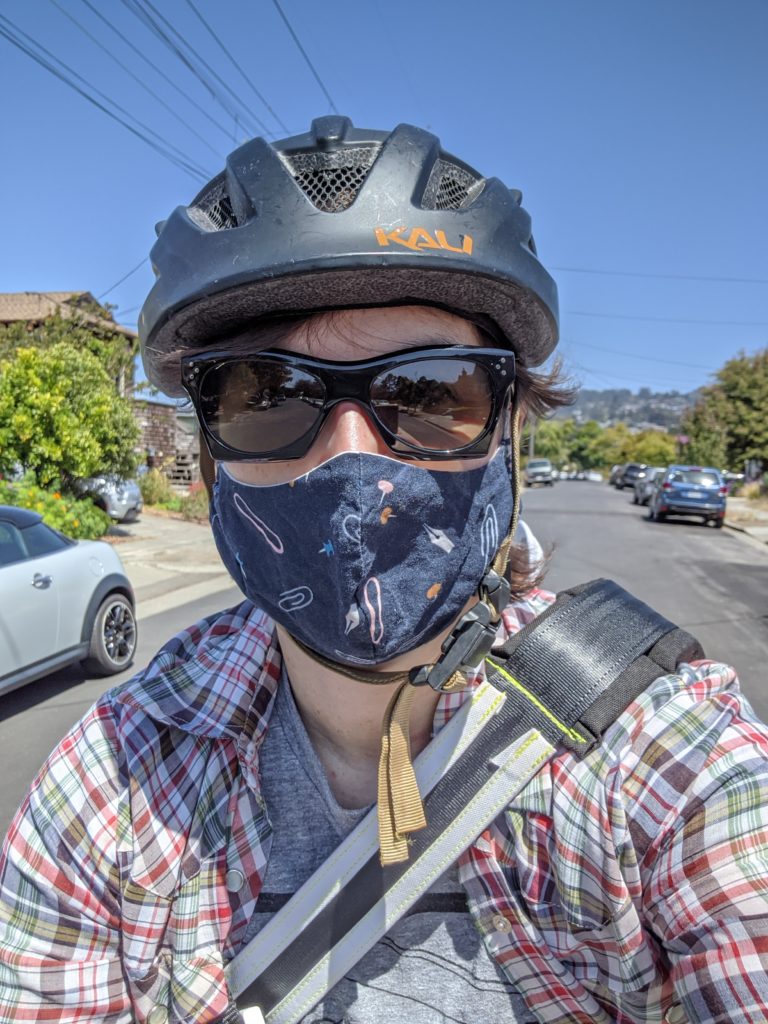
670,277
139,9
134,76
232,59
671,320
123,278
634,355
305,55
165,150
166,78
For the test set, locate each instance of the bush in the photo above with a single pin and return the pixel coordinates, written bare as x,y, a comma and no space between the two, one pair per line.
76,517
156,488
195,504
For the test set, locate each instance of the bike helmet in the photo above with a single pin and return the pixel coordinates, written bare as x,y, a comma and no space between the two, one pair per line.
343,217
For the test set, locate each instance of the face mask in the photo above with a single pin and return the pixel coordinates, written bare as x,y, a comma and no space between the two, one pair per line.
365,557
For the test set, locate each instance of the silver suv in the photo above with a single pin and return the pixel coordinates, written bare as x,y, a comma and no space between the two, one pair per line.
119,498
539,471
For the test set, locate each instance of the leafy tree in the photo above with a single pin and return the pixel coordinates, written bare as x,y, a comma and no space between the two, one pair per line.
551,441
589,445
653,448
730,421
61,418
88,328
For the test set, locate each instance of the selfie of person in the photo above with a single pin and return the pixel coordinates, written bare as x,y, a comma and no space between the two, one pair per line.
401,780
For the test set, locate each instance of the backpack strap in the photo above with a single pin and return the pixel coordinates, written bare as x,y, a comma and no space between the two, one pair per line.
574,669
560,682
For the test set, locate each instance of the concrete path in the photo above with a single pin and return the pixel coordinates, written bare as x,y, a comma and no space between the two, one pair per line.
169,561
743,515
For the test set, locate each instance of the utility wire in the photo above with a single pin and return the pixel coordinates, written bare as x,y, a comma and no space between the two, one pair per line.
138,52
123,278
132,74
165,149
139,9
671,320
669,277
304,54
634,355
233,61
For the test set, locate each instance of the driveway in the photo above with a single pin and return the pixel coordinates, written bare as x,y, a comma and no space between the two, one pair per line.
169,561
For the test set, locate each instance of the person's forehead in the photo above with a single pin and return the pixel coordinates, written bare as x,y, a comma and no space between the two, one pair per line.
343,332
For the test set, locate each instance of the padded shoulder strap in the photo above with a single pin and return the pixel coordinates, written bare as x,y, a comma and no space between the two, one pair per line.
574,669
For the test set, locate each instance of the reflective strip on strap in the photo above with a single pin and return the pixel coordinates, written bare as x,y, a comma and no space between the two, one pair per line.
361,844
515,766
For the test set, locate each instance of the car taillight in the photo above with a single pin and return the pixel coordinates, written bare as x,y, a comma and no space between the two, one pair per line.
723,491
666,486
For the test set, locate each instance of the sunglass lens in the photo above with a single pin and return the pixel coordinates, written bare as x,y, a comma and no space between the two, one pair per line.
434,404
259,406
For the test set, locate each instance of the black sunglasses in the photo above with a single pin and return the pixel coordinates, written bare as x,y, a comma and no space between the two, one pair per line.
428,403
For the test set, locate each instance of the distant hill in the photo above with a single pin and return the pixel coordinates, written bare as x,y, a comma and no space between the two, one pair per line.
644,409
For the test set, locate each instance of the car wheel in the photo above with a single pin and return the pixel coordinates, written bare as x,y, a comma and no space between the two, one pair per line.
717,523
634,499
113,637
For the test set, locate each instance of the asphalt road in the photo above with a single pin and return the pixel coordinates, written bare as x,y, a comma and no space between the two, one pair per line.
712,582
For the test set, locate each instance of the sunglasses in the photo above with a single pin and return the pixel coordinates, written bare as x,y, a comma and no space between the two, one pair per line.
427,403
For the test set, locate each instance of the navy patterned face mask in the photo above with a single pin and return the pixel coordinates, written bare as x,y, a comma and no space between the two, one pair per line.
364,557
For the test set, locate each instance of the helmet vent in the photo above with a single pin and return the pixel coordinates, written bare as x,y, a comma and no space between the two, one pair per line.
450,187
332,180
212,209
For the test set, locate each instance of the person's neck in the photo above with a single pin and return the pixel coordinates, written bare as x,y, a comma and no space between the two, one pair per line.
343,718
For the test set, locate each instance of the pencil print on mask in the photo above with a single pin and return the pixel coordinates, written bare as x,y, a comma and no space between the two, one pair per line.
365,557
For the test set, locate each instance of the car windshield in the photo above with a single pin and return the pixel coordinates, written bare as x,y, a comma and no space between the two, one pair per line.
695,476
538,464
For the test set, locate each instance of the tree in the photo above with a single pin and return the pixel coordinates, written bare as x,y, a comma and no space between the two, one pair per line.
730,420
653,448
88,328
551,441
61,418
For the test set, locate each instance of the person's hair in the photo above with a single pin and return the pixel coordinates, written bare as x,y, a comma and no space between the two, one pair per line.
537,393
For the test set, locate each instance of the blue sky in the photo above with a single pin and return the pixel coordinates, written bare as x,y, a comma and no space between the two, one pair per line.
636,131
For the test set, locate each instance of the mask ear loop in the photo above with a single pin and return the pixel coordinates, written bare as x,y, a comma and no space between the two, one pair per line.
400,808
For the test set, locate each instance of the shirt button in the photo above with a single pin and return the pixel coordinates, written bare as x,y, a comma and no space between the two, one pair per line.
157,1015
501,923
675,1015
234,882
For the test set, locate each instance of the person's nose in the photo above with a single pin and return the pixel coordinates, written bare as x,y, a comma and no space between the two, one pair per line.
350,428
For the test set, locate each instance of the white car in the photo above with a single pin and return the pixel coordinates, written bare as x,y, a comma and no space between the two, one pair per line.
61,601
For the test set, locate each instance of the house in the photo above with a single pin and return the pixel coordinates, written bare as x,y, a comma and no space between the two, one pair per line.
33,308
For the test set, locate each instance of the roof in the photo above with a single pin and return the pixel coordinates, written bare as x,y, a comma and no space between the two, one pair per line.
19,517
36,306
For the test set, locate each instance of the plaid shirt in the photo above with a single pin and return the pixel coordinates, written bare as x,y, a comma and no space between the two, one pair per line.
630,886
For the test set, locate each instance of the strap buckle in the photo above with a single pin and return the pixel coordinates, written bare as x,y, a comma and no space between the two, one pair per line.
465,648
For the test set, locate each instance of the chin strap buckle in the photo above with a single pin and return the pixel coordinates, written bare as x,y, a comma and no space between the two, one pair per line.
471,639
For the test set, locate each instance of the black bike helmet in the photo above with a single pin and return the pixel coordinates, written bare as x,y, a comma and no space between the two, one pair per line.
337,218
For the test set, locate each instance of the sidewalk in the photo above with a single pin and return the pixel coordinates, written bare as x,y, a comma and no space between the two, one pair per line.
169,561
743,515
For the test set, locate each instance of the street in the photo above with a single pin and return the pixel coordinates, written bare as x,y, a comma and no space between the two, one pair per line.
712,582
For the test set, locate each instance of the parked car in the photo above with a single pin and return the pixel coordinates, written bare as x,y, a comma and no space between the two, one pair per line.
644,484
628,473
539,471
615,473
689,491
61,601
119,498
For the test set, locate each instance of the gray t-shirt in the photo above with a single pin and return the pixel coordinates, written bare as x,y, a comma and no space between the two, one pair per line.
432,966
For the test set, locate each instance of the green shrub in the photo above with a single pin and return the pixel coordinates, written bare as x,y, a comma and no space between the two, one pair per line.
156,488
195,504
76,517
